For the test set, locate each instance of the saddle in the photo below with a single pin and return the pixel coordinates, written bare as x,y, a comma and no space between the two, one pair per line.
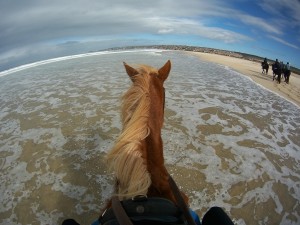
142,210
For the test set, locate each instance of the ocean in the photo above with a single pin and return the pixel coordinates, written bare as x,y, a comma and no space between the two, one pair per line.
228,142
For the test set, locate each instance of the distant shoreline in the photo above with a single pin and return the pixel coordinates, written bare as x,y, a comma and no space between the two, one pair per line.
234,54
248,65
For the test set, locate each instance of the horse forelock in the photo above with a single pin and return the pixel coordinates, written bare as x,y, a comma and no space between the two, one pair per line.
126,158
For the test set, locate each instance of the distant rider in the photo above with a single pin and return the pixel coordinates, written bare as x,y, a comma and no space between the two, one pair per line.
287,72
265,66
276,70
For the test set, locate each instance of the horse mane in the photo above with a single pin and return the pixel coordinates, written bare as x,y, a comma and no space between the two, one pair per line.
126,158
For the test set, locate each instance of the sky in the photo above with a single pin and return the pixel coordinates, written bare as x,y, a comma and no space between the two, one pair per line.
35,30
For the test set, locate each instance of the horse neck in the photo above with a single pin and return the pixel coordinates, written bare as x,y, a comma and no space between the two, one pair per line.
153,146
155,165
155,123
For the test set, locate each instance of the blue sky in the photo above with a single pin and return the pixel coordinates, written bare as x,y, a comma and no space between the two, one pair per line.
34,30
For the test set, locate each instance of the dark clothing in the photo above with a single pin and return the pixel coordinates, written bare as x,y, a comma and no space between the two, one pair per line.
265,66
277,70
287,73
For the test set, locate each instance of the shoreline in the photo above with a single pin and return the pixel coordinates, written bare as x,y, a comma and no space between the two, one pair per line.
252,69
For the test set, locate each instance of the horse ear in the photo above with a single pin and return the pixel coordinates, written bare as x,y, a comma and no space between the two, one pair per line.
130,71
165,70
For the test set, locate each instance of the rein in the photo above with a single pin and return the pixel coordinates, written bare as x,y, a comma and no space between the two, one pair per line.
123,218
119,212
181,203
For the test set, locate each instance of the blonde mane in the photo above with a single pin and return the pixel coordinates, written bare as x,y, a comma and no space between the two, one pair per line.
125,159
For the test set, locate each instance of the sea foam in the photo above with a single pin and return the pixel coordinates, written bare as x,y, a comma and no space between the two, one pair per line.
227,141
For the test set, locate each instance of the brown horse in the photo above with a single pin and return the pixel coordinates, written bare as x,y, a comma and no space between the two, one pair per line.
137,156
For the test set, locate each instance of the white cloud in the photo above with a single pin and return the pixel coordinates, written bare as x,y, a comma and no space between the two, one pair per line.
193,27
39,22
259,23
284,42
34,23
284,14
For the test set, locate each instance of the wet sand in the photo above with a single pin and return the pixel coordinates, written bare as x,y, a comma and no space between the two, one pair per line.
236,148
253,70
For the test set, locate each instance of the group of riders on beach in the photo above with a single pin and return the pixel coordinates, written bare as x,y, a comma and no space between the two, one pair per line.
279,70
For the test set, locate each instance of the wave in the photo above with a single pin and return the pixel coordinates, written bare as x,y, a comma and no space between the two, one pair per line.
58,59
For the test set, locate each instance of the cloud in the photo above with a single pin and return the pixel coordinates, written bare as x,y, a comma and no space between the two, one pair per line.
165,31
34,21
259,23
283,13
192,27
45,24
284,42
41,22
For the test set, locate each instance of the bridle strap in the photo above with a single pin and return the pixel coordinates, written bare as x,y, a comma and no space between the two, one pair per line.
180,201
119,212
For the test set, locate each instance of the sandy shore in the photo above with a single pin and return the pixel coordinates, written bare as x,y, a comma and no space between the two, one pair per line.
252,69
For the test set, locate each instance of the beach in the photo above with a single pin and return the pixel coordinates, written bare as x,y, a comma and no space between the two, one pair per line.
253,70
227,141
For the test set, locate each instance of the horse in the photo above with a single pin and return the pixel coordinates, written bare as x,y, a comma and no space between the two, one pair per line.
277,71
265,66
145,193
136,159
